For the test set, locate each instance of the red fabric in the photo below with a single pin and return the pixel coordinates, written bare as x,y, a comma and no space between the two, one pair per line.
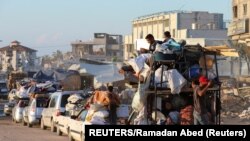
186,115
203,80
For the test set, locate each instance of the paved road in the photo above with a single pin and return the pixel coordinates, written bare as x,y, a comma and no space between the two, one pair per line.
16,132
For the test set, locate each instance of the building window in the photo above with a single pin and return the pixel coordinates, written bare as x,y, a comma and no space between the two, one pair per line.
235,11
167,23
245,9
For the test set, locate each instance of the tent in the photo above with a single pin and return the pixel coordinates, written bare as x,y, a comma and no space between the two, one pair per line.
42,76
56,75
104,73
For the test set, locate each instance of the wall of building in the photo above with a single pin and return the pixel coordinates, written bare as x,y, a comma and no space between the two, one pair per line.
204,20
239,28
128,47
233,67
179,23
102,45
213,34
173,22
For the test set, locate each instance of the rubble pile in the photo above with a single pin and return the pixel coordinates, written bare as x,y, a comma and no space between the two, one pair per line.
235,106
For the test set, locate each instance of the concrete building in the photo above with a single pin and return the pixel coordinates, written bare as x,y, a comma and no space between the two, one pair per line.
17,57
239,27
181,24
104,47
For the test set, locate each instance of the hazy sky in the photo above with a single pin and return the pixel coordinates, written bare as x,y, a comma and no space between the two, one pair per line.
48,25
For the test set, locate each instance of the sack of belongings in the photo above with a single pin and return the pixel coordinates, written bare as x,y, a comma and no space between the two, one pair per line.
139,62
176,81
169,47
123,111
73,105
127,95
140,97
158,117
74,99
186,115
141,118
22,93
97,115
158,76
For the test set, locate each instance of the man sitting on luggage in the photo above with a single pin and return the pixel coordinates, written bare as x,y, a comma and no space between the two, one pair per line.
152,43
167,37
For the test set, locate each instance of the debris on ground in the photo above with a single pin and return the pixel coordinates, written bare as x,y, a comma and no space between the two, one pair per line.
236,105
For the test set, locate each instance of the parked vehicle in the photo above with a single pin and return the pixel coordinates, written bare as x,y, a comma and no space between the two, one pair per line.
33,112
55,108
8,107
63,125
12,94
17,112
72,108
3,90
76,129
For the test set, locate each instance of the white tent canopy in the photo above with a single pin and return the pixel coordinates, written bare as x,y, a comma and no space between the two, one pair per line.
103,73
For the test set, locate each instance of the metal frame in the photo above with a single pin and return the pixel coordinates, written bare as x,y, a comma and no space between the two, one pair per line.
216,91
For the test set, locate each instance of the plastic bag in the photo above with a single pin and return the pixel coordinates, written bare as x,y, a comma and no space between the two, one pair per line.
74,98
158,78
141,118
140,97
176,81
123,111
139,62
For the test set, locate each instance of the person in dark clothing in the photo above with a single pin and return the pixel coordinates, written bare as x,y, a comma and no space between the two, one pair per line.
200,111
114,103
167,37
152,42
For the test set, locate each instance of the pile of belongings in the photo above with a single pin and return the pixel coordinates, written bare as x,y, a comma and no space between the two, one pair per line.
97,115
126,96
48,86
74,104
69,79
171,79
139,65
26,89
22,92
98,110
170,46
186,115
173,118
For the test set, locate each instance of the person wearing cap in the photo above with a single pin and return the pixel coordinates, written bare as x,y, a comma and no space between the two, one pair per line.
200,112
